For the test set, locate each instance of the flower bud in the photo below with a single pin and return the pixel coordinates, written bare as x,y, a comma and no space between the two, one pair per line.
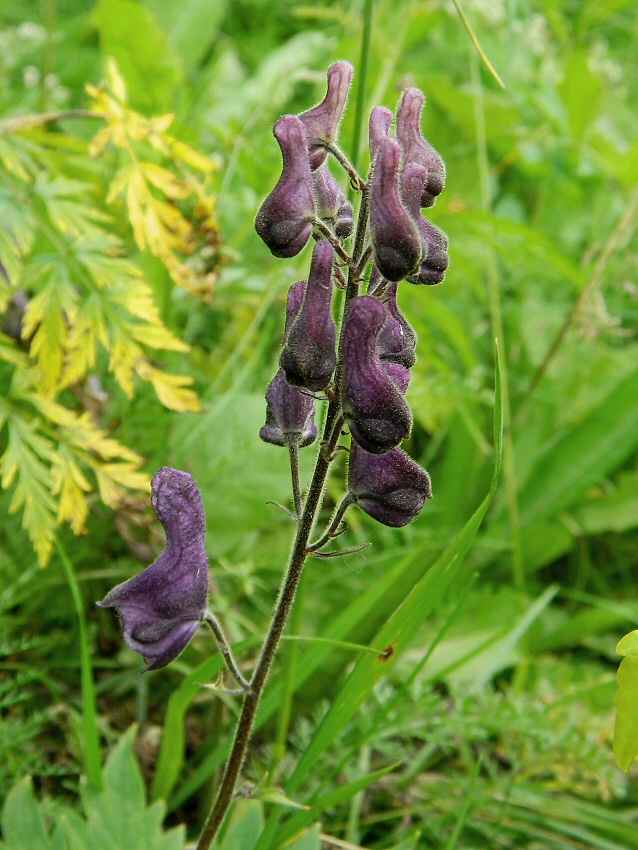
332,205
395,238
397,339
391,488
162,607
379,129
322,121
290,415
309,354
284,220
376,412
434,242
415,148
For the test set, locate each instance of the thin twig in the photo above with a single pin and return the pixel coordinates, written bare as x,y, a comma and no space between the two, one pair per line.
293,451
358,183
224,648
331,532
325,231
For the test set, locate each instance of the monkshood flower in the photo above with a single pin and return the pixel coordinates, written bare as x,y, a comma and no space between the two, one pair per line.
391,488
373,405
162,607
395,237
309,354
284,220
322,121
415,148
332,205
290,415
396,342
434,243
378,129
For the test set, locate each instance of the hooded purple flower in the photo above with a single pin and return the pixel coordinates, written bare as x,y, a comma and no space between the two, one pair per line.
309,354
290,415
162,607
395,238
379,128
376,412
284,220
332,205
415,148
397,340
391,488
322,121
434,242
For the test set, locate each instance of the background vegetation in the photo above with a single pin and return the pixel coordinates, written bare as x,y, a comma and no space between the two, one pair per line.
141,319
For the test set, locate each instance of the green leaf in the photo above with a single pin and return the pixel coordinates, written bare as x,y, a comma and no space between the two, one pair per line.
626,729
310,840
22,824
191,27
122,774
246,823
130,34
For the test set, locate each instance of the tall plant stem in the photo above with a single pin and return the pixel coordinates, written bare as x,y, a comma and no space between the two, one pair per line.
496,319
298,557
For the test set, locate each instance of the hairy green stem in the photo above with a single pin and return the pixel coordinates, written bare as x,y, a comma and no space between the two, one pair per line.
224,648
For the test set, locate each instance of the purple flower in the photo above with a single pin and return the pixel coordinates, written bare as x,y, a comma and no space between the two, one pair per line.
391,488
379,128
395,238
322,121
396,342
284,220
434,242
162,607
290,415
415,148
376,412
332,205
309,354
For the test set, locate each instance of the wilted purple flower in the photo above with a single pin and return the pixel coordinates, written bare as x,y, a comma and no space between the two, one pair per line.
284,220
379,128
397,340
391,488
395,238
290,415
322,121
162,607
434,242
309,354
376,412
332,205
415,148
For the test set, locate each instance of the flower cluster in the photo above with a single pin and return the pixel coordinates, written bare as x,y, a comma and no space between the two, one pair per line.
368,372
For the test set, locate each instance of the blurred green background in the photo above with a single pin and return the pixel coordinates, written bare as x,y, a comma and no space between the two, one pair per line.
502,737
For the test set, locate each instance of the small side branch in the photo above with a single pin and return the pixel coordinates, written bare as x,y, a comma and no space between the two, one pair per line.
224,648
325,231
293,450
358,183
332,530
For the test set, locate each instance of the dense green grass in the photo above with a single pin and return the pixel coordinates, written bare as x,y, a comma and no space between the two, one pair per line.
491,725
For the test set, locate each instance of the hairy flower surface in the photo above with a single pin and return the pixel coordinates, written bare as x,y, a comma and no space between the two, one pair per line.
379,128
162,607
415,148
309,354
391,488
284,220
376,412
332,205
396,342
434,259
395,237
290,415
322,121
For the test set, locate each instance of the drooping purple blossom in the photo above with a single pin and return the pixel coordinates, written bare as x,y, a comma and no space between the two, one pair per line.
322,121
309,354
373,405
395,238
284,220
415,148
434,259
391,488
162,607
397,340
290,415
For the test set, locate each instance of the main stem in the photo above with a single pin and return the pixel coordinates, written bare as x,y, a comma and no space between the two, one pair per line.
331,433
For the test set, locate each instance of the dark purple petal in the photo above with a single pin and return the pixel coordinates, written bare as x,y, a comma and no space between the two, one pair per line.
397,340
322,121
391,488
434,242
309,354
376,412
379,128
332,205
415,148
284,220
295,298
162,607
398,373
395,238
290,415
